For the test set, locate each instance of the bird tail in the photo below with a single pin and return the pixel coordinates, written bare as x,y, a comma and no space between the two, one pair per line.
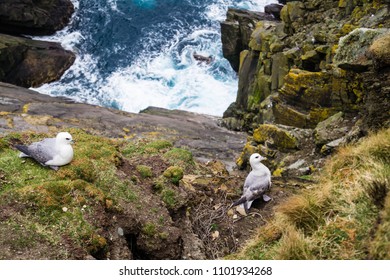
23,149
243,201
240,201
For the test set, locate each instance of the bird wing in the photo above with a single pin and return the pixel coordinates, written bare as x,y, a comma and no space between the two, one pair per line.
255,186
43,151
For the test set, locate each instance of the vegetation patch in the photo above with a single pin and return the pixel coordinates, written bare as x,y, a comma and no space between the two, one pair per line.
346,213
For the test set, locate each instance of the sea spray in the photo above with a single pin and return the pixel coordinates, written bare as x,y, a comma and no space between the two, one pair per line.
132,54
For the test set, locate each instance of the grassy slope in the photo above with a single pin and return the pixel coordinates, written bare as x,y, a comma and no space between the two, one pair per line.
345,216
48,214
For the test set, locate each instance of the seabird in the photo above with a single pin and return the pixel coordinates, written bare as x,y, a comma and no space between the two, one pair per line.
256,183
51,152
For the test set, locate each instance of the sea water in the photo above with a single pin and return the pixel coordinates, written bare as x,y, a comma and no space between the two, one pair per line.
132,54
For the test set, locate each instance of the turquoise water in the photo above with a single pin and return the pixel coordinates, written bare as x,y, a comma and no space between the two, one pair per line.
132,54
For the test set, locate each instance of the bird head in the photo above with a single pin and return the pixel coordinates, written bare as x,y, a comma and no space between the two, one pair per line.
64,138
255,159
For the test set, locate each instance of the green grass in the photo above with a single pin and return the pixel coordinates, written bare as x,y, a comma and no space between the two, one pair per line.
146,146
180,157
144,171
70,206
88,181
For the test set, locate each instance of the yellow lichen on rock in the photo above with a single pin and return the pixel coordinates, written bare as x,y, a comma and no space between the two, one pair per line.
281,138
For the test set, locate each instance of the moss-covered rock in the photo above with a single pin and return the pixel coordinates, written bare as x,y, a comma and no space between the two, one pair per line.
352,51
292,15
307,89
144,171
279,137
247,151
174,173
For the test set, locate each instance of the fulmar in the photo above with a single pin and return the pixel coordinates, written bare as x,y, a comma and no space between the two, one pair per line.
256,183
52,152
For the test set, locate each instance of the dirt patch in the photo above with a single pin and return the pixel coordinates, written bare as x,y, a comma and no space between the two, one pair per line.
222,229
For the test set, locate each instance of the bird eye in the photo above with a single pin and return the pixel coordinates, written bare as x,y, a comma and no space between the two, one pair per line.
257,157
67,139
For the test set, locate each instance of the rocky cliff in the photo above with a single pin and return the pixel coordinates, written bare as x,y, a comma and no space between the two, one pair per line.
26,62
322,58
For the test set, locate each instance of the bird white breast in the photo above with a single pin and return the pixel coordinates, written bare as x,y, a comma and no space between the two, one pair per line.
63,157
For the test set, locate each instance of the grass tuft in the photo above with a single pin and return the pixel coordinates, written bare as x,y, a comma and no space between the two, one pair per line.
344,216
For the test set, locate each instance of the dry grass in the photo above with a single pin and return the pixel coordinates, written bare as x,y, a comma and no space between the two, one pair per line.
346,216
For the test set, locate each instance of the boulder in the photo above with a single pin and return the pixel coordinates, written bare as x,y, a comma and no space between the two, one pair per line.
353,49
30,63
273,9
279,138
34,17
330,129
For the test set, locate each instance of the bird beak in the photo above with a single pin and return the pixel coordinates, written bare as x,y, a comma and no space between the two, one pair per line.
72,142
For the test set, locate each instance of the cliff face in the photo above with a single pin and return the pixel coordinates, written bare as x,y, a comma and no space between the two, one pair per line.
321,58
39,17
30,63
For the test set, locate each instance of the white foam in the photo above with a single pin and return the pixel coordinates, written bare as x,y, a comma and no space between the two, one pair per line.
169,77
164,82
113,5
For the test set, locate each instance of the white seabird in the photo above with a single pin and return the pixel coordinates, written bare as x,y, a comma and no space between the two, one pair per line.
256,183
52,152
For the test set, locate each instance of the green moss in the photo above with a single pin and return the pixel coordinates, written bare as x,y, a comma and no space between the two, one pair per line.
145,146
179,157
149,229
96,243
159,145
144,171
174,173
159,183
55,203
168,195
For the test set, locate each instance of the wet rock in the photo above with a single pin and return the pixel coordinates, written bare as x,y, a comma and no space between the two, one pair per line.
34,17
273,9
29,63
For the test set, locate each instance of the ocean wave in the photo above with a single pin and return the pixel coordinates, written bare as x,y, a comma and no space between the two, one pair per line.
134,54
